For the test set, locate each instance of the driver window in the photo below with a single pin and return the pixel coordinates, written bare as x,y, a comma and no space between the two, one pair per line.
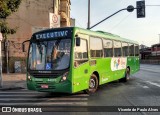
81,53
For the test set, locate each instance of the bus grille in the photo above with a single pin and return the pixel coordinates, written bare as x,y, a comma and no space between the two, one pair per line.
45,75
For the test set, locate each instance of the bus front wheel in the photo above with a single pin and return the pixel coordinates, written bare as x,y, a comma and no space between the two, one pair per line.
93,84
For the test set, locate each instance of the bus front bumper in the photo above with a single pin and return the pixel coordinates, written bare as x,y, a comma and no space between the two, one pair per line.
64,86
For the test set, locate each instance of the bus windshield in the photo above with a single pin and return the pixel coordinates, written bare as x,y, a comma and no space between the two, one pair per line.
49,55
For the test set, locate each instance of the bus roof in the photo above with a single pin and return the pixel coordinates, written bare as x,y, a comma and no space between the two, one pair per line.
100,34
104,35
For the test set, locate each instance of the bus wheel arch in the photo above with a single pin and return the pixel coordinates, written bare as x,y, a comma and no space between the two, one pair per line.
128,67
93,83
126,75
97,75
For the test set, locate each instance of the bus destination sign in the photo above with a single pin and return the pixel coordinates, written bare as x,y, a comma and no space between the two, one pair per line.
55,34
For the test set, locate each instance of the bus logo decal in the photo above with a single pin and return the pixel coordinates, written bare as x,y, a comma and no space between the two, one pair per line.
118,63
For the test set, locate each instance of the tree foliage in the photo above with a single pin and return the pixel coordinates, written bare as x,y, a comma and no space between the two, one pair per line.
7,7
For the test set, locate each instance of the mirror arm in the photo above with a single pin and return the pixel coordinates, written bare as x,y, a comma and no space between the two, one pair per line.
23,46
25,41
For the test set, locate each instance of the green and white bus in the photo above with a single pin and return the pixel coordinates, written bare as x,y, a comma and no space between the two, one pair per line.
73,59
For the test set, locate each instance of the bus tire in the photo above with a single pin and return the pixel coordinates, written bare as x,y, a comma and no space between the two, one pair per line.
93,84
127,75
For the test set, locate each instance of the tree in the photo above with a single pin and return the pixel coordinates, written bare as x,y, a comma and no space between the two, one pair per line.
7,7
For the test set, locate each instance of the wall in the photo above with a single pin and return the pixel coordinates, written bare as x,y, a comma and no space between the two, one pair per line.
31,14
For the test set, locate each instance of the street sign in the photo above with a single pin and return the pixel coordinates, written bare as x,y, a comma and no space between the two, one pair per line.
54,20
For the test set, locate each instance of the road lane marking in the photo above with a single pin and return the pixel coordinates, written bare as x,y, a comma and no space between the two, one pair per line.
20,95
38,93
145,87
22,92
46,104
44,99
151,70
80,95
152,83
40,98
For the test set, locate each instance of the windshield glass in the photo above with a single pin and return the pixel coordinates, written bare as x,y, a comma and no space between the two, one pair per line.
50,55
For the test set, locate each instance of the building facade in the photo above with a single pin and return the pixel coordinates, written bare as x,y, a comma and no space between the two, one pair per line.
156,50
65,12
150,55
32,14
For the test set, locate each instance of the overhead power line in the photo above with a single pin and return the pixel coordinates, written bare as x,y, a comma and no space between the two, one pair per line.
119,22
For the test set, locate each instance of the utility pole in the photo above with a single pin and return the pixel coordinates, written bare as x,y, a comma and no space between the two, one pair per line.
7,57
88,14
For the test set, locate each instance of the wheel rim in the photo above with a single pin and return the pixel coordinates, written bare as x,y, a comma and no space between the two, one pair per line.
92,83
127,74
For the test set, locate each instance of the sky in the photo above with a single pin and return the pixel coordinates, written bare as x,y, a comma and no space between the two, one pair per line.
125,24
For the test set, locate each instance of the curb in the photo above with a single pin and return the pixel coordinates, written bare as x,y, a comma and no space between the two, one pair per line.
11,88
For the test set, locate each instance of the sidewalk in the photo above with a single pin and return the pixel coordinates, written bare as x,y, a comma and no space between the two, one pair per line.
13,81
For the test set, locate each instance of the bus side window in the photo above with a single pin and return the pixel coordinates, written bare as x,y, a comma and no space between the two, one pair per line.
125,49
136,47
108,48
81,53
131,49
117,49
96,50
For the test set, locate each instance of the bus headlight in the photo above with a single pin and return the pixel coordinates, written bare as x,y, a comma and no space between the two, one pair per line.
64,76
29,78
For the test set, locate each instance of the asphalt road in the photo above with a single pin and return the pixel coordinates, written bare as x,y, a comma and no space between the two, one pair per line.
143,89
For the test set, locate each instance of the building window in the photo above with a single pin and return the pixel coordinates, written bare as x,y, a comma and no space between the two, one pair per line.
96,49
117,49
108,48
125,49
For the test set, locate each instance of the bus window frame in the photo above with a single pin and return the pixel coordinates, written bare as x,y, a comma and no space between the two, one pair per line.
104,47
76,46
135,49
90,47
127,49
114,48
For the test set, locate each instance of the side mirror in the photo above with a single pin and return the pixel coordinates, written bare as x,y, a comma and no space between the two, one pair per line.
78,41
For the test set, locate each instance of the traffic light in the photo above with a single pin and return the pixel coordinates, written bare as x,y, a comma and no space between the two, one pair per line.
140,9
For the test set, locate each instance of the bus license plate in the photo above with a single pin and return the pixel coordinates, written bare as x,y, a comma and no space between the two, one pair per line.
44,86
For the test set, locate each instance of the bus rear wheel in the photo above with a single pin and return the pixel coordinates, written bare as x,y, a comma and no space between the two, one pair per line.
93,84
127,76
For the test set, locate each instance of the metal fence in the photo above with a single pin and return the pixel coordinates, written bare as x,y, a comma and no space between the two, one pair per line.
150,61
